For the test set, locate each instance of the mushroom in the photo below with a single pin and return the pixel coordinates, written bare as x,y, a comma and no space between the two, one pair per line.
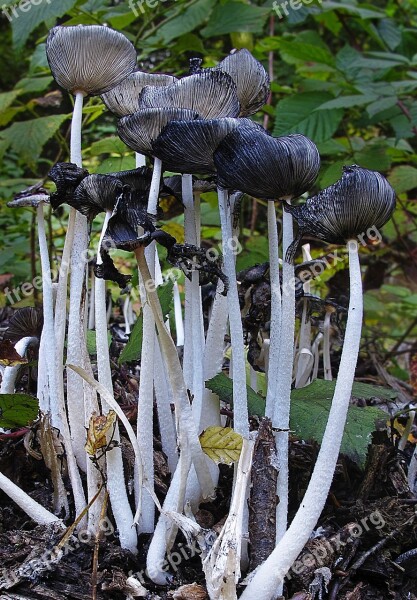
84,60
273,168
355,203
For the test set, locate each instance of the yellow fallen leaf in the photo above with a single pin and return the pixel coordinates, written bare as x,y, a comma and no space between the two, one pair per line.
221,444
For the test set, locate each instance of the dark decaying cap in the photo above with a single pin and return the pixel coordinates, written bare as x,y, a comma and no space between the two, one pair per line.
140,130
138,179
66,176
212,94
250,77
263,166
123,99
360,200
25,322
89,58
95,194
188,146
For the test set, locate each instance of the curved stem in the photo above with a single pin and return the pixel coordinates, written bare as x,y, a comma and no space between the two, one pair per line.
270,575
240,406
276,310
10,373
36,511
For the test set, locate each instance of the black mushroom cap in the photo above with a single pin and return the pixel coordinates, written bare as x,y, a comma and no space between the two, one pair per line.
212,94
263,166
250,77
97,193
360,200
138,179
123,99
66,176
89,58
140,130
25,322
188,146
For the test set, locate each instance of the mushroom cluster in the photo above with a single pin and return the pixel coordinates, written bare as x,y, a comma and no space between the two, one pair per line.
198,126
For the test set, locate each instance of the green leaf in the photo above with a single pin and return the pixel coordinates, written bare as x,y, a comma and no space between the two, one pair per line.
373,156
235,16
7,98
132,350
390,33
108,145
332,173
347,102
403,178
91,341
298,114
324,390
307,52
27,85
382,104
34,15
17,410
308,421
223,387
191,18
27,138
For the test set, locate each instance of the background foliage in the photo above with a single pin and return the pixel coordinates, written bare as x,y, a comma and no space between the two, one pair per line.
343,73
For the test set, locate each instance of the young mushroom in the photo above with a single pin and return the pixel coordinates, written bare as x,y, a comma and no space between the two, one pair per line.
350,207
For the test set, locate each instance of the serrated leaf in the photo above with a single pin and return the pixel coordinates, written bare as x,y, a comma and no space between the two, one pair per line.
27,138
221,444
320,389
223,387
307,52
298,114
191,18
309,418
28,20
382,104
108,145
6,99
347,101
403,178
17,410
133,347
390,33
235,16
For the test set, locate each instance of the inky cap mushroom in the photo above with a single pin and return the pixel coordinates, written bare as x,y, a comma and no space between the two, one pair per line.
66,176
360,200
89,58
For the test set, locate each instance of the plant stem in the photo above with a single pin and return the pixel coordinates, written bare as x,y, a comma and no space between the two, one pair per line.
116,485
36,511
240,406
270,575
10,373
326,347
276,311
281,417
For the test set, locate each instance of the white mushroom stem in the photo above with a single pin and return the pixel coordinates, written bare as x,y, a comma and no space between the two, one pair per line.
179,322
276,311
269,578
326,347
240,405
305,357
10,373
155,184
412,473
404,438
194,342
281,419
33,509
116,484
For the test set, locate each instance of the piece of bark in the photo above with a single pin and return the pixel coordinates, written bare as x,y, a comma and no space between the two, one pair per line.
263,498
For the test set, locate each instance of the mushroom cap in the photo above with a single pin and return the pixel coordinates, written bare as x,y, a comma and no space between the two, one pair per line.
360,200
250,77
188,146
123,99
140,130
96,193
138,179
212,94
66,176
250,160
25,322
89,58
